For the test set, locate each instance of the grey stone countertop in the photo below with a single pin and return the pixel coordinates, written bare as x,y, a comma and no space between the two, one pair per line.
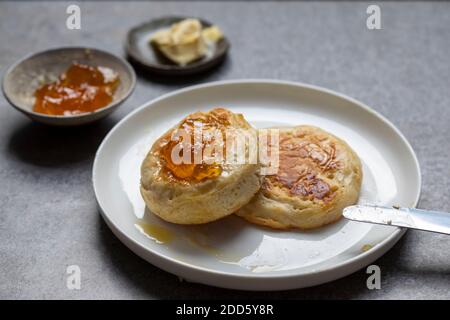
48,214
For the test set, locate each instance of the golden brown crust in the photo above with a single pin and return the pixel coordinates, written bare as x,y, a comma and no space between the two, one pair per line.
304,157
318,175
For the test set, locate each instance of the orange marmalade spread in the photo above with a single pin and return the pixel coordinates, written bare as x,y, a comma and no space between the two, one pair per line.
80,89
216,119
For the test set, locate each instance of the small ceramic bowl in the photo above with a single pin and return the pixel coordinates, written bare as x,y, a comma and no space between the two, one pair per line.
141,53
23,78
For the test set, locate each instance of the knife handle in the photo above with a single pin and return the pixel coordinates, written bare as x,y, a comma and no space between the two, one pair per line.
430,220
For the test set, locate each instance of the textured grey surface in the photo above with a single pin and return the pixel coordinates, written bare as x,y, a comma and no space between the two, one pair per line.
48,214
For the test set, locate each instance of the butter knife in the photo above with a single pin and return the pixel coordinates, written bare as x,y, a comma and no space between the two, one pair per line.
426,220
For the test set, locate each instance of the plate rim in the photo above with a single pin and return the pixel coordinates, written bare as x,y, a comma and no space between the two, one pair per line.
352,263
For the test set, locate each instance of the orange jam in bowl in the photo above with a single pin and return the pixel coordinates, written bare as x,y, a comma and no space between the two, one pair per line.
80,89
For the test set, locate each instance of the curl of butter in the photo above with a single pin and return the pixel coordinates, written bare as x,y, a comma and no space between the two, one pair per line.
185,41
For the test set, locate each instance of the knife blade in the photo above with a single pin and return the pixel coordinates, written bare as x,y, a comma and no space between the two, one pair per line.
426,220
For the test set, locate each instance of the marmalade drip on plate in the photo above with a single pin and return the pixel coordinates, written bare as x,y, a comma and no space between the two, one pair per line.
191,171
80,89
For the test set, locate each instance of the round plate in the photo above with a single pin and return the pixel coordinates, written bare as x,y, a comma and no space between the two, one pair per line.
142,53
231,252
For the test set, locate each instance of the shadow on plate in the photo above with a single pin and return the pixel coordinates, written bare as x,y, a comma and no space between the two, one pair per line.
48,146
212,239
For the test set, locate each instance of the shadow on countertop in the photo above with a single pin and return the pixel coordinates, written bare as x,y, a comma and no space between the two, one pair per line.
204,76
153,282
48,146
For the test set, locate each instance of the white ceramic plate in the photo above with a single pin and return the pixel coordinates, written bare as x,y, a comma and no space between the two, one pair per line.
233,253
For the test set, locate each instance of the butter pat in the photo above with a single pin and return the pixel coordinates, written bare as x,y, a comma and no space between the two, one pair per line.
182,43
212,34
185,41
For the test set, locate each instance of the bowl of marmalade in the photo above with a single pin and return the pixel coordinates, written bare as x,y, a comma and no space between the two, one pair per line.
68,86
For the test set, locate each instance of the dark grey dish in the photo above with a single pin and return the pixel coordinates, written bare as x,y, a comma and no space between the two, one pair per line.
28,74
141,53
